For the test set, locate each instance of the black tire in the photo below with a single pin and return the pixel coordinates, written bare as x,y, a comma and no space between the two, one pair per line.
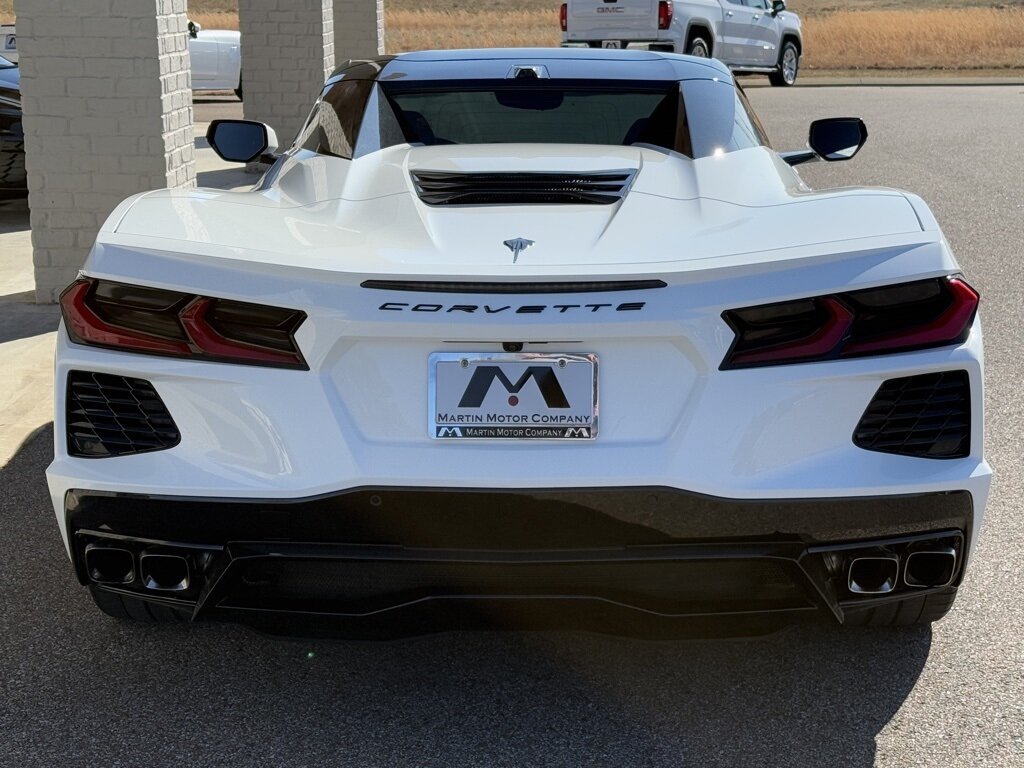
133,609
785,75
238,90
915,611
699,47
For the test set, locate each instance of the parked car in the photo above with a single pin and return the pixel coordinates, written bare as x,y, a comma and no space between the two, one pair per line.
13,182
750,36
9,42
554,333
216,56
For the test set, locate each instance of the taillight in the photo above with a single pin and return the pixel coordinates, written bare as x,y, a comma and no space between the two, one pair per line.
664,14
138,319
563,16
876,321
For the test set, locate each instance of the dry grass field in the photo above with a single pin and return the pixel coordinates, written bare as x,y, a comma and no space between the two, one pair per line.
955,38
886,35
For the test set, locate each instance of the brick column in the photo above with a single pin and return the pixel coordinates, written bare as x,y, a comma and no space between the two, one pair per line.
106,94
287,53
358,29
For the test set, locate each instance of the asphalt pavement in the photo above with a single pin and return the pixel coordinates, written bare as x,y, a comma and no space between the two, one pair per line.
78,688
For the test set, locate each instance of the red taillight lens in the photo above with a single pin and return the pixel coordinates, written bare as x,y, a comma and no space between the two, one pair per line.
139,319
563,17
897,318
664,14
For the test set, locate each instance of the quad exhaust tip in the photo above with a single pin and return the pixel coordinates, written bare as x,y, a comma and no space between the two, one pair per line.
929,568
163,572
873,574
109,565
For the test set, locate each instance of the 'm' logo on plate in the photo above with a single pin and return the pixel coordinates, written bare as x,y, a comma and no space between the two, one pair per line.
449,432
485,375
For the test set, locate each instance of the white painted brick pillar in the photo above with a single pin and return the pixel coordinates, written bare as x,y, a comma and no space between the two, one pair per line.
287,53
358,29
106,94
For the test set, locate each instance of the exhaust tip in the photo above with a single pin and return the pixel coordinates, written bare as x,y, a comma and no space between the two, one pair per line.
929,568
873,574
163,572
109,565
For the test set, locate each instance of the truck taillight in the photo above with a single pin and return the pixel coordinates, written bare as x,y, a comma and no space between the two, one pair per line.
664,14
876,321
563,16
134,318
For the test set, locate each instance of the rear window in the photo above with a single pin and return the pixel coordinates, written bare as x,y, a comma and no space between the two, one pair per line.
563,113
697,118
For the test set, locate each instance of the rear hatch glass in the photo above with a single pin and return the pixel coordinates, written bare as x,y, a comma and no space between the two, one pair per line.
545,113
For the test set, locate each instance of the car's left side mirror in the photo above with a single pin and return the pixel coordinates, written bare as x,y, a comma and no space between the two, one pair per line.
778,6
837,138
833,139
241,141
194,29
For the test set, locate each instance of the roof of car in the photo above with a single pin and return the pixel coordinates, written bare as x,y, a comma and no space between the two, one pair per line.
562,63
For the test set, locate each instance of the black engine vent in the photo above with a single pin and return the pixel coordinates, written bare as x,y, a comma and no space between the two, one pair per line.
440,188
111,415
928,416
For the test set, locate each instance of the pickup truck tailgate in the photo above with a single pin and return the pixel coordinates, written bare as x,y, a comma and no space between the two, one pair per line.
612,19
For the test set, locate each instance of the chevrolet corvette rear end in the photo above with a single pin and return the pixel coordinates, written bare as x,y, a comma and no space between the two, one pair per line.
522,338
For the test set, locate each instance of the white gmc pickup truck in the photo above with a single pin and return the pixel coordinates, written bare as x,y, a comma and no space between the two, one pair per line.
747,35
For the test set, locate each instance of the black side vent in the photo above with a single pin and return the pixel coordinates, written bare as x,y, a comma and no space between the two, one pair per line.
439,188
928,416
111,415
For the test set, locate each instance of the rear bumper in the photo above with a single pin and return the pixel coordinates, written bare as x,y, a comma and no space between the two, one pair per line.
385,561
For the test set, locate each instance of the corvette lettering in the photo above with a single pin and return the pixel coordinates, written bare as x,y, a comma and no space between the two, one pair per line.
524,309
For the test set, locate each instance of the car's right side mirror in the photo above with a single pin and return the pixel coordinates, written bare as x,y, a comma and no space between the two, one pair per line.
778,6
837,138
194,29
241,141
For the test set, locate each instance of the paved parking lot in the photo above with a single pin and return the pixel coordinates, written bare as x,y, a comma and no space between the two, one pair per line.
77,688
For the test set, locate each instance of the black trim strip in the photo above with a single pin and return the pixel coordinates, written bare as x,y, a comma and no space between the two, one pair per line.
448,286
566,518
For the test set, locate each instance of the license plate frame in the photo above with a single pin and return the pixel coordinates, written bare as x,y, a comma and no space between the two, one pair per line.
463,413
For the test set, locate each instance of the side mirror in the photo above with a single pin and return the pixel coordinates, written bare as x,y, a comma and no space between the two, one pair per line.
240,141
778,6
837,138
194,29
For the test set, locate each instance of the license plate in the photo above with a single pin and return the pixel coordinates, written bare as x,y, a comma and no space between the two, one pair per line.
611,44
10,43
521,396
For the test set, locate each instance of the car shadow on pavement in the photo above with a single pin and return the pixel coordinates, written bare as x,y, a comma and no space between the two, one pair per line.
78,683
21,318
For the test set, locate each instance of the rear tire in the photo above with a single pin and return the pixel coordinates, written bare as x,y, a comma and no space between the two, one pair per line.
128,608
238,90
916,611
788,68
699,47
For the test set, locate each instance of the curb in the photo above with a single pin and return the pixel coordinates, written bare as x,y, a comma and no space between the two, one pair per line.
748,81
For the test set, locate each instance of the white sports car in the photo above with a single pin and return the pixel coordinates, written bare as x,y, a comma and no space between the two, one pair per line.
526,337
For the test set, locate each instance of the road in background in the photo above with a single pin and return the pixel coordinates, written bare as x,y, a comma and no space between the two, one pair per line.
79,688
